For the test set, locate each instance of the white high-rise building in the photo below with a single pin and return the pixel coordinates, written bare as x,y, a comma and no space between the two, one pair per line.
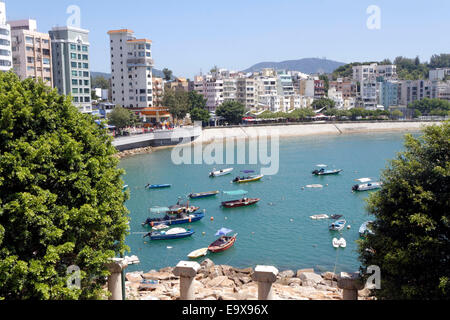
5,41
131,70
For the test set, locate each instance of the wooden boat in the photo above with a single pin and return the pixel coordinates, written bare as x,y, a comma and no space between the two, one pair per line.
240,203
158,186
174,220
177,209
338,225
320,217
220,173
222,244
198,253
176,233
248,179
323,172
203,194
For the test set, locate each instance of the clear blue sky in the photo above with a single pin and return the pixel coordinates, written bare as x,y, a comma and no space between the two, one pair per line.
189,36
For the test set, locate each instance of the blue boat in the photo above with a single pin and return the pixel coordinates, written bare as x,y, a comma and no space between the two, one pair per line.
203,194
338,225
176,233
158,186
174,220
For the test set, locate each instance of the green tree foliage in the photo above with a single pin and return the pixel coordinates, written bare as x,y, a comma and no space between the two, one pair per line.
167,74
411,69
323,103
121,117
232,111
199,114
396,114
177,102
431,106
326,80
440,61
196,100
100,82
61,199
412,227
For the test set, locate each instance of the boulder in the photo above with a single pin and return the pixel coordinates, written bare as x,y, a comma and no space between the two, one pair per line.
159,276
134,277
299,272
244,271
287,274
207,264
220,281
215,271
330,276
168,269
310,279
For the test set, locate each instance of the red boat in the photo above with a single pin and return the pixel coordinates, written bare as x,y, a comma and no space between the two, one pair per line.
240,203
222,244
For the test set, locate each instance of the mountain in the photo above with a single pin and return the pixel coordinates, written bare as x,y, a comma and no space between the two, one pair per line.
156,73
307,65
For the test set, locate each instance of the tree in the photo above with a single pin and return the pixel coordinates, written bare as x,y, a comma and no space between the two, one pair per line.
100,82
396,114
61,199
177,102
323,103
412,227
198,114
196,100
326,81
167,74
428,106
232,111
440,61
121,117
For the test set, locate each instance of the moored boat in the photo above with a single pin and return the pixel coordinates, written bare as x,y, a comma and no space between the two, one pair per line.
367,186
174,220
176,233
248,179
222,244
198,253
364,230
338,225
158,186
323,172
240,203
341,243
320,217
220,173
203,194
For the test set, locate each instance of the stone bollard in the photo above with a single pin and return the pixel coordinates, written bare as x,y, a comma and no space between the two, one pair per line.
186,270
350,283
116,266
265,276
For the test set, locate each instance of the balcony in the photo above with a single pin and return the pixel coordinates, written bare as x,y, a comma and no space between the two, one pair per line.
140,62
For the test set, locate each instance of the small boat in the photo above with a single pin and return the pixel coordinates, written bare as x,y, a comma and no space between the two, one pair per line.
203,194
336,216
320,217
248,179
222,244
235,193
364,230
198,253
367,186
314,186
338,225
323,172
182,208
176,233
341,243
158,186
125,187
240,203
174,220
160,227
220,173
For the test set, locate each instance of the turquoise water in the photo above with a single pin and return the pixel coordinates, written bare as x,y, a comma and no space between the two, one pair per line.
278,230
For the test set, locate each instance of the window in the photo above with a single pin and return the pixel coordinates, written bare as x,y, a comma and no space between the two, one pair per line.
86,65
75,99
46,61
73,46
73,55
5,42
73,64
87,99
30,60
141,54
4,32
147,46
85,74
45,41
74,73
5,53
86,82
74,82
85,57
29,68
85,49
75,90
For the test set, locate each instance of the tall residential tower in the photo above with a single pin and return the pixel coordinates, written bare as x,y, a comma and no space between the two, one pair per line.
5,41
131,70
70,56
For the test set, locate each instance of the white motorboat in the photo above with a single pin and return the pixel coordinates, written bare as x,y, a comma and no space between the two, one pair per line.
220,173
320,217
366,185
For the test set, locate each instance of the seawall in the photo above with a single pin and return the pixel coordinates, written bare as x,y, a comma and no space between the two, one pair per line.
296,130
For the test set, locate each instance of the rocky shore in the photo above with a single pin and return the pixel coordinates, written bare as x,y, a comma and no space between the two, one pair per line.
221,282
133,152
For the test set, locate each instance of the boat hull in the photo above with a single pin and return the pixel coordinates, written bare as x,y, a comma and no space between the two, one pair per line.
216,249
239,203
193,218
159,186
327,173
221,173
254,179
172,236
203,195
198,253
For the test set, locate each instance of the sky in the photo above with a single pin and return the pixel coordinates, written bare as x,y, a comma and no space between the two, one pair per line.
190,36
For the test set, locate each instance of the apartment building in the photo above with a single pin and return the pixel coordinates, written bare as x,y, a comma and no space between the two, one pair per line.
179,84
441,90
247,92
70,63
131,69
348,88
5,41
388,93
158,91
439,74
230,89
31,51
413,90
285,84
